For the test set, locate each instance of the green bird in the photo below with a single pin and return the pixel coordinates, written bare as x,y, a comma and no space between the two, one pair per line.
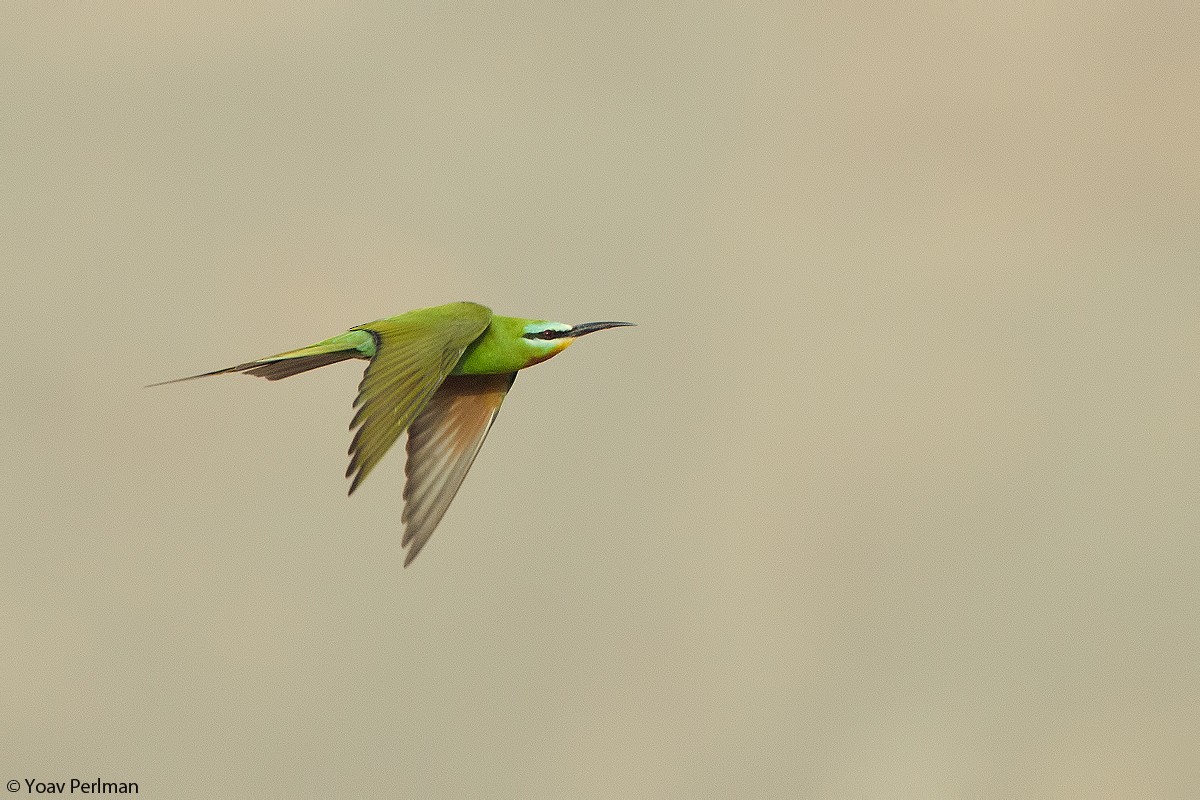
439,373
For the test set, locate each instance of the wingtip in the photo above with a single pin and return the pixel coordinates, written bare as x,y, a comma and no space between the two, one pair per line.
355,475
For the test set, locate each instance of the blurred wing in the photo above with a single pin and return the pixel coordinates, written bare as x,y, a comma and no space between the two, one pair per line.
442,444
413,355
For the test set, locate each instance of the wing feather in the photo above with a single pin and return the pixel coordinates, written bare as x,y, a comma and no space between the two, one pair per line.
442,444
414,353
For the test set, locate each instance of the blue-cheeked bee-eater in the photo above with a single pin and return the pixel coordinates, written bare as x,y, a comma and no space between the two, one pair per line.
438,373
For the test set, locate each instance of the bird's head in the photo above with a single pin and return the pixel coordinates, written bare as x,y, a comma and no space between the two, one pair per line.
545,339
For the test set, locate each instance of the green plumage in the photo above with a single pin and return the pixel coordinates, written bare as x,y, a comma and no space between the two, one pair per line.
414,354
439,373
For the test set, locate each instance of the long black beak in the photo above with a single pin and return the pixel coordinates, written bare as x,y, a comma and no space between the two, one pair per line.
591,327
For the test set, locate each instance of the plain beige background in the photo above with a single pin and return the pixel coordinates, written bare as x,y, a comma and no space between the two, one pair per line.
892,493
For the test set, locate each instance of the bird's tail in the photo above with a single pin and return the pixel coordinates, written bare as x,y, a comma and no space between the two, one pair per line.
293,362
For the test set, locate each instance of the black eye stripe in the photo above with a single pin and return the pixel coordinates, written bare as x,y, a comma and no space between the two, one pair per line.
547,334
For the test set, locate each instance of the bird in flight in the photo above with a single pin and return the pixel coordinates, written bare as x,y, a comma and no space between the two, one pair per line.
439,373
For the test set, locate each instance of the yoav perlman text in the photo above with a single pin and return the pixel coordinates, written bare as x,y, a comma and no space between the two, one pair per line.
34,786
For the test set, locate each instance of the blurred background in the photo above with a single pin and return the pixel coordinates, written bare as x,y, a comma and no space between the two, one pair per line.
892,493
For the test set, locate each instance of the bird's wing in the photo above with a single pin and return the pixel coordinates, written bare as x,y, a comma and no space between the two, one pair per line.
413,355
442,443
